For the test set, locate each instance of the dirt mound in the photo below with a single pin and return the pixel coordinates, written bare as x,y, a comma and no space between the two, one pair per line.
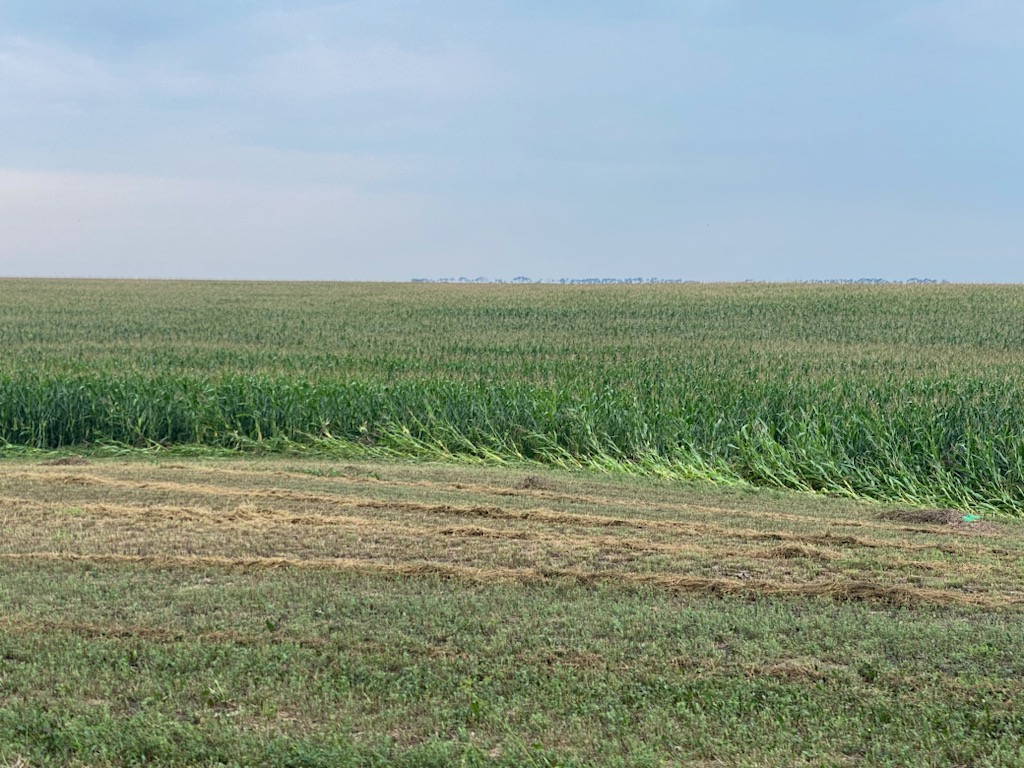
67,461
533,483
790,551
956,520
923,516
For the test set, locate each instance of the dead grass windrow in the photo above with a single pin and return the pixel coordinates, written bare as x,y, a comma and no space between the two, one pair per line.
839,590
110,510
250,518
258,508
535,487
256,515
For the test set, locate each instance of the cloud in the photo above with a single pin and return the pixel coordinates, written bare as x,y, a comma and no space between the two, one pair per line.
118,225
44,70
329,51
982,22
321,71
41,72
195,156
266,57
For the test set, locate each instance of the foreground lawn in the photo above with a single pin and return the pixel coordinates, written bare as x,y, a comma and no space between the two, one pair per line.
298,612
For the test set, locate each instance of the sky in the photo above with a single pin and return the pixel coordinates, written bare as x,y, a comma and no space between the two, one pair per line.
712,140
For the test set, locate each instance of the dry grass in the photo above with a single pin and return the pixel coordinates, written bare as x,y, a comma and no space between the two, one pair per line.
852,590
259,515
67,461
923,516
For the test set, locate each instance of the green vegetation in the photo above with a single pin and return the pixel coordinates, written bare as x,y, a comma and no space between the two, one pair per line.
905,393
286,611
366,671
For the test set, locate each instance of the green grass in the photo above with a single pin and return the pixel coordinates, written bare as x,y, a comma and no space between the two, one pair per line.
297,611
329,669
906,393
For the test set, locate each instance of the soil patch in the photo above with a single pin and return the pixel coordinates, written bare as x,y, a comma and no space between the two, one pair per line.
924,516
66,461
533,483
983,527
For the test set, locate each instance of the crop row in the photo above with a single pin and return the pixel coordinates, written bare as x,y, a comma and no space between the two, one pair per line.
951,442
893,392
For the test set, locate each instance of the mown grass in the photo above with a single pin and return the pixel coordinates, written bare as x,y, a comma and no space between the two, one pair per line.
891,392
333,669
297,612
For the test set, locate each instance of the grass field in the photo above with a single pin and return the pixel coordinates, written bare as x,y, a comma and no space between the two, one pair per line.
301,612
800,545
907,393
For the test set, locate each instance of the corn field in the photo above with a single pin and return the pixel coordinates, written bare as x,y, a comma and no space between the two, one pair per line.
909,393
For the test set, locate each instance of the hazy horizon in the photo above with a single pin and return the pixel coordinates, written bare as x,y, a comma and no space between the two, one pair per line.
369,140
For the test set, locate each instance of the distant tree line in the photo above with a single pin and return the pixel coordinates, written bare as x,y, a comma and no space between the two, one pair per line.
639,280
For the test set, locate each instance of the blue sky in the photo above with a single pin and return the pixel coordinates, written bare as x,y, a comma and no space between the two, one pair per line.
386,140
